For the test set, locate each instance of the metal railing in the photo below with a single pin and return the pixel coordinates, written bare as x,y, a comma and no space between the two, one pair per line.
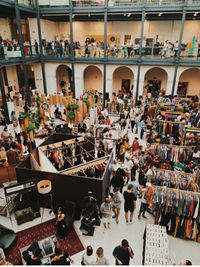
88,3
53,3
10,52
30,3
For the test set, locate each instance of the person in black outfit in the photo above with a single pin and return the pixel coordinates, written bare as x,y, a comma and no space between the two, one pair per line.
142,179
62,229
34,259
61,258
118,180
129,202
123,253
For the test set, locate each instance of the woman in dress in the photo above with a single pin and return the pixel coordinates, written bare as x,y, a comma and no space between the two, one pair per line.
62,229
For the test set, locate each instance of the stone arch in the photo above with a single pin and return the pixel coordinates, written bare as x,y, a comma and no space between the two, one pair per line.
155,80
63,74
189,82
93,78
122,79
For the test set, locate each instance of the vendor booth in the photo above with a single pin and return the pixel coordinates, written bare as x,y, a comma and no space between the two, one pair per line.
80,172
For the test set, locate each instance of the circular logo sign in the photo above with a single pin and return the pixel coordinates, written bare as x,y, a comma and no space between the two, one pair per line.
45,106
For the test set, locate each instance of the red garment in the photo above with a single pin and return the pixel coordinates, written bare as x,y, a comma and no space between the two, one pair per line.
19,147
107,121
135,145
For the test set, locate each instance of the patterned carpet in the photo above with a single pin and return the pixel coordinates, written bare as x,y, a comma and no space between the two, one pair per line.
26,237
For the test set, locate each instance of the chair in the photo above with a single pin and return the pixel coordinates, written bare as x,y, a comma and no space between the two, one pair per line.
7,238
69,210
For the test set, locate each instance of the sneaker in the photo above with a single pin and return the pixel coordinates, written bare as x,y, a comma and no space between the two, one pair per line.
113,216
139,217
117,221
144,216
126,221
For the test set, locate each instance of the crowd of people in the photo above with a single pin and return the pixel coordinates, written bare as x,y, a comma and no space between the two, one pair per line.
135,162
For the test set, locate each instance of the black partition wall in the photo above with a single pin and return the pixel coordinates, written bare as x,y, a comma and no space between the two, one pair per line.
68,186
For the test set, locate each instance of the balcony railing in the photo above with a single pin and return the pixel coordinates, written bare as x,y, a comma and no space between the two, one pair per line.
115,52
13,52
30,3
56,50
54,3
88,3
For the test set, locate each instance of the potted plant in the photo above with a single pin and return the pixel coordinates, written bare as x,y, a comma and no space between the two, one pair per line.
30,130
71,108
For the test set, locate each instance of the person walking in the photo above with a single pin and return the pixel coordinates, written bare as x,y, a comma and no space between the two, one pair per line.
101,259
143,127
129,202
88,257
123,253
62,229
116,204
106,212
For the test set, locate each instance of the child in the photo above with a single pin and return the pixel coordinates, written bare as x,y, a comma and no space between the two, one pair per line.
101,259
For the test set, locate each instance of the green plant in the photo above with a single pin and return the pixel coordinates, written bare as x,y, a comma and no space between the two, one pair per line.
31,127
85,100
71,107
38,100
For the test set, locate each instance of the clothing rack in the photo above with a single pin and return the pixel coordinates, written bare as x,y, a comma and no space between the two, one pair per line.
161,188
182,172
175,146
176,122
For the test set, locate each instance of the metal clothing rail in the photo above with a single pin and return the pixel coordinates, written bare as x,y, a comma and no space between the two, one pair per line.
168,145
161,188
176,122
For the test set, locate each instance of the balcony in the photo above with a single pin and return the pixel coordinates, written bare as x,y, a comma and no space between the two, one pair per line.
13,52
29,3
53,3
88,3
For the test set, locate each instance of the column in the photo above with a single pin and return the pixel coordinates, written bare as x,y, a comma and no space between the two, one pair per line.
72,49
3,95
41,48
79,82
21,42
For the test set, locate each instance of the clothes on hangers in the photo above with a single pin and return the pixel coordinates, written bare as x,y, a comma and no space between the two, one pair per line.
179,211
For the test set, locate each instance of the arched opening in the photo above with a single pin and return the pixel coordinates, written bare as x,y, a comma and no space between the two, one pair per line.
63,78
122,80
93,79
155,81
189,82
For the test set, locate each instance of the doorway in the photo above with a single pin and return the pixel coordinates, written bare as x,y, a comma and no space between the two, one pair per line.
125,85
153,87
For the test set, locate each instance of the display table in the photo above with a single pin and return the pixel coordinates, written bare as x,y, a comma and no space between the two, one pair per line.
24,215
47,246
155,249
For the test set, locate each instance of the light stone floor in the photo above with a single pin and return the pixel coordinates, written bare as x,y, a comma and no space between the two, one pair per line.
179,249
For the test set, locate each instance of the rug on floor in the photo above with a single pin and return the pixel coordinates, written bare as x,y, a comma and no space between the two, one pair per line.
26,237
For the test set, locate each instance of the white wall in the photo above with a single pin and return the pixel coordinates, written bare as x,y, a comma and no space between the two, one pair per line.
51,29
12,77
81,29
38,77
125,28
93,79
191,28
5,31
33,30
